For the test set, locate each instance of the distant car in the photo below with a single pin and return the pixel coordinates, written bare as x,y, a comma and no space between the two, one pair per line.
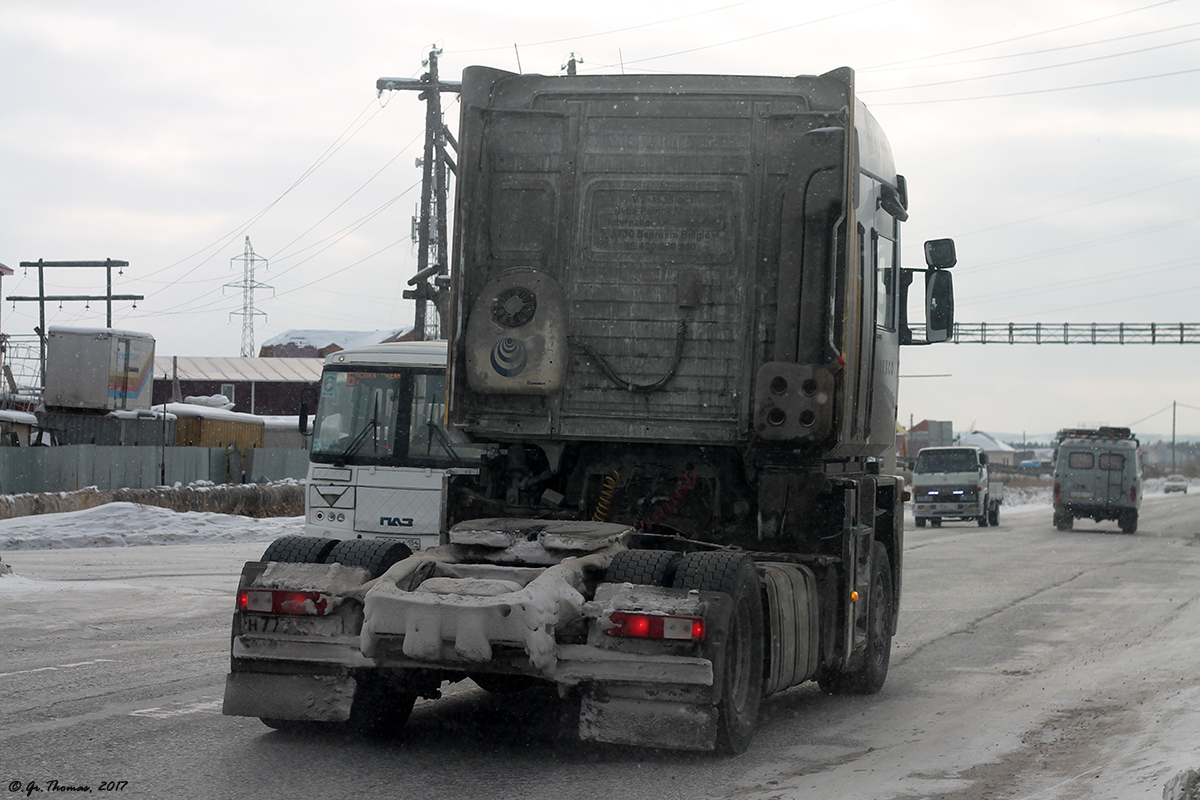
1175,483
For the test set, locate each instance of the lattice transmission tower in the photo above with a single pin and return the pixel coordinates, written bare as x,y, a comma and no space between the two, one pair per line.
248,285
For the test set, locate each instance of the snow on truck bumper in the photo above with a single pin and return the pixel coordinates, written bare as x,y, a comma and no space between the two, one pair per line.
432,612
515,632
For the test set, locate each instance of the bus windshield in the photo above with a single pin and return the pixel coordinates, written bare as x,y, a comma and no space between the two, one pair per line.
394,416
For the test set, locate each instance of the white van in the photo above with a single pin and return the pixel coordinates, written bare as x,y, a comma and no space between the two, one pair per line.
1098,475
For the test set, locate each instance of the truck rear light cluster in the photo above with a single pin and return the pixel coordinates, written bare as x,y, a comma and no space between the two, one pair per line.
283,601
655,626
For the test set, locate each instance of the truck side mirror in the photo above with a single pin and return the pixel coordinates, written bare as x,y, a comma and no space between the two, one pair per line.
939,305
939,253
303,418
983,459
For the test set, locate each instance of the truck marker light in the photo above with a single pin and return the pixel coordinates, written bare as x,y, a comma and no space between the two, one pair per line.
655,626
283,601
854,597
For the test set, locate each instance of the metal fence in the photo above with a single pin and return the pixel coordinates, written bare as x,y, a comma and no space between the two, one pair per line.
1071,332
65,469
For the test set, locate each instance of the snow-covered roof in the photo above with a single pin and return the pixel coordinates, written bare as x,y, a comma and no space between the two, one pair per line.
319,339
20,417
208,412
259,370
277,422
58,330
981,439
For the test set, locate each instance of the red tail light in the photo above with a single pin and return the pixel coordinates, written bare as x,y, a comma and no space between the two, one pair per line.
1133,494
655,626
283,601
1058,492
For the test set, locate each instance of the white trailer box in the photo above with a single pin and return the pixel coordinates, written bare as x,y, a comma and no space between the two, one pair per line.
99,368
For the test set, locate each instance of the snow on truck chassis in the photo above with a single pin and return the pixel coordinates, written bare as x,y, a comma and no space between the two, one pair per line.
678,306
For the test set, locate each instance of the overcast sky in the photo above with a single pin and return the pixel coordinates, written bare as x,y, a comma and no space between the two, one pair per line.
1057,143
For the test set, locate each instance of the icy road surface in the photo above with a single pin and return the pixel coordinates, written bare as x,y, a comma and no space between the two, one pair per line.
1030,664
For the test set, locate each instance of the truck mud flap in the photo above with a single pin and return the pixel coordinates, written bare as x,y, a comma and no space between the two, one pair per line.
317,698
651,719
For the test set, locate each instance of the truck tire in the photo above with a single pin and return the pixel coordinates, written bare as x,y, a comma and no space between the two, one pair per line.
982,520
373,555
644,567
869,676
379,710
1063,521
935,522
994,515
504,684
1128,521
741,675
920,522
299,549
300,726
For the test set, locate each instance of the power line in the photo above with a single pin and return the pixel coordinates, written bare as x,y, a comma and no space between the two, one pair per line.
1023,36
1028,53
1031,69
1038,91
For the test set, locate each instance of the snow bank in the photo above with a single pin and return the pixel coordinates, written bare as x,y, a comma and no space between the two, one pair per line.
131,524
277,499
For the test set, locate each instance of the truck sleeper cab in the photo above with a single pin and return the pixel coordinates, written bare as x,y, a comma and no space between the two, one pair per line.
677,307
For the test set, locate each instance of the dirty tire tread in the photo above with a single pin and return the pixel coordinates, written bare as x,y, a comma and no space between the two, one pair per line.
644,567
708,572
373,555
299,549
869,677
742,669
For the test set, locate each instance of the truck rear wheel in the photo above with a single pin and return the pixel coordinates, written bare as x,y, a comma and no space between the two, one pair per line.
373,555
299,549
935,522
300,726
644,567
379,710
742,665
994,515
870,675
1063,521
1128,521
920,522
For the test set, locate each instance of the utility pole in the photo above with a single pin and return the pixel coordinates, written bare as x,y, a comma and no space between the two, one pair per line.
41,298
431,234
248,285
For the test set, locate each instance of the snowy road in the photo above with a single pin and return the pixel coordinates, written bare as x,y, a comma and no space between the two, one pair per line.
1030,664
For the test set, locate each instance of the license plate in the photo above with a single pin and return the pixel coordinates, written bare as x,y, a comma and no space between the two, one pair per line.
292,626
